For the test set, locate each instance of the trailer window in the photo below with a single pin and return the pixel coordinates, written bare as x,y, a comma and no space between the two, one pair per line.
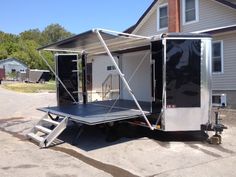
109,68
183,73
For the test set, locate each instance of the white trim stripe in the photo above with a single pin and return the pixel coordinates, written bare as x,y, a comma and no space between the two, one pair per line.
213,29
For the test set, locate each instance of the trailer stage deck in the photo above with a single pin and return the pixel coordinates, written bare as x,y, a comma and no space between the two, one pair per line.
99,112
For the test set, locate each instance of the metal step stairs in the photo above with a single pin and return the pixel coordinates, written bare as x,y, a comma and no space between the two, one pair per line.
43,135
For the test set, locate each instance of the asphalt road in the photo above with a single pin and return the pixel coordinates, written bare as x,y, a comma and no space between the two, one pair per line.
130,153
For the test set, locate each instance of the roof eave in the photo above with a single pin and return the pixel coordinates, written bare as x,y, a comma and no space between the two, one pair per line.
226,3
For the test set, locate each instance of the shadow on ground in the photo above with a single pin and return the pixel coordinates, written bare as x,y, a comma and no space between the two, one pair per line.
95,137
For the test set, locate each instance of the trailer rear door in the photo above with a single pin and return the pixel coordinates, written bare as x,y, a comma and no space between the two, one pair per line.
66,69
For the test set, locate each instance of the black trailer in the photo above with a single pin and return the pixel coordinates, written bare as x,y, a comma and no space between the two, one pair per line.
167,81
38,76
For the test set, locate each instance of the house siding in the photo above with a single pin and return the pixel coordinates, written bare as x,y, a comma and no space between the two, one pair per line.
150,26
227,79
211,15
208,11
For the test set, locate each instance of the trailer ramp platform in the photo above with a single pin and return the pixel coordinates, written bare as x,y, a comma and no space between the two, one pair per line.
99,112
93,113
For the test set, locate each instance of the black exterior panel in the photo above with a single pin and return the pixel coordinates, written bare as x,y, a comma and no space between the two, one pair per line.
183,73
84,78
65,67
157,76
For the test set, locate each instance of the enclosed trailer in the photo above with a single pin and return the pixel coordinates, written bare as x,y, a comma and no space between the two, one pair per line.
167,81
21,76
36,75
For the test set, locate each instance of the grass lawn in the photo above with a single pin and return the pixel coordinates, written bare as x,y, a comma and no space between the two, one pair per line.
31,87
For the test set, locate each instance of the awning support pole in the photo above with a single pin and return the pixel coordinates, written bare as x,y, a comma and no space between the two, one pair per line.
123,78
57,77
124,34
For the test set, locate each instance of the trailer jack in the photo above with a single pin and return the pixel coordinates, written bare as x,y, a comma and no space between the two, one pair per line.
217,127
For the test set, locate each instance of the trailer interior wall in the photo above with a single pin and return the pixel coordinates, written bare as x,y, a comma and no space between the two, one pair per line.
99,71
141,80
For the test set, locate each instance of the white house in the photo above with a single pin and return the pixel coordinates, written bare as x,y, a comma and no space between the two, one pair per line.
216,17
12,65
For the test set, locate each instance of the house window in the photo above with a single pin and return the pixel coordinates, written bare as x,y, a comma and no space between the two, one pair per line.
163,17
217,57
109,68
190,10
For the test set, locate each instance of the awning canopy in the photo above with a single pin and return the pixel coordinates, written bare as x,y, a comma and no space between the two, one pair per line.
89,42
99,41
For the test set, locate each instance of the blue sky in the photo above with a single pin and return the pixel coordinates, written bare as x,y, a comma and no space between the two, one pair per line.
75,15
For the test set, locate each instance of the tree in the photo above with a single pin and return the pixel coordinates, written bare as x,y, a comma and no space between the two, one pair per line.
24,45
54,33
5,37
3,52
32,34
8,44
30,56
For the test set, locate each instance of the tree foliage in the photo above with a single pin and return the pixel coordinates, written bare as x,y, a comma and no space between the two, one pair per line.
24,45
53,33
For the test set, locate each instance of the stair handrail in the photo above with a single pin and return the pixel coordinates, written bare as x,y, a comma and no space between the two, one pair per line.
104,91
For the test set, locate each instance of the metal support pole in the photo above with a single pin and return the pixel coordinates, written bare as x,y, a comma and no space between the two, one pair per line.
123,34
63,50
84,78
123,78
57,77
